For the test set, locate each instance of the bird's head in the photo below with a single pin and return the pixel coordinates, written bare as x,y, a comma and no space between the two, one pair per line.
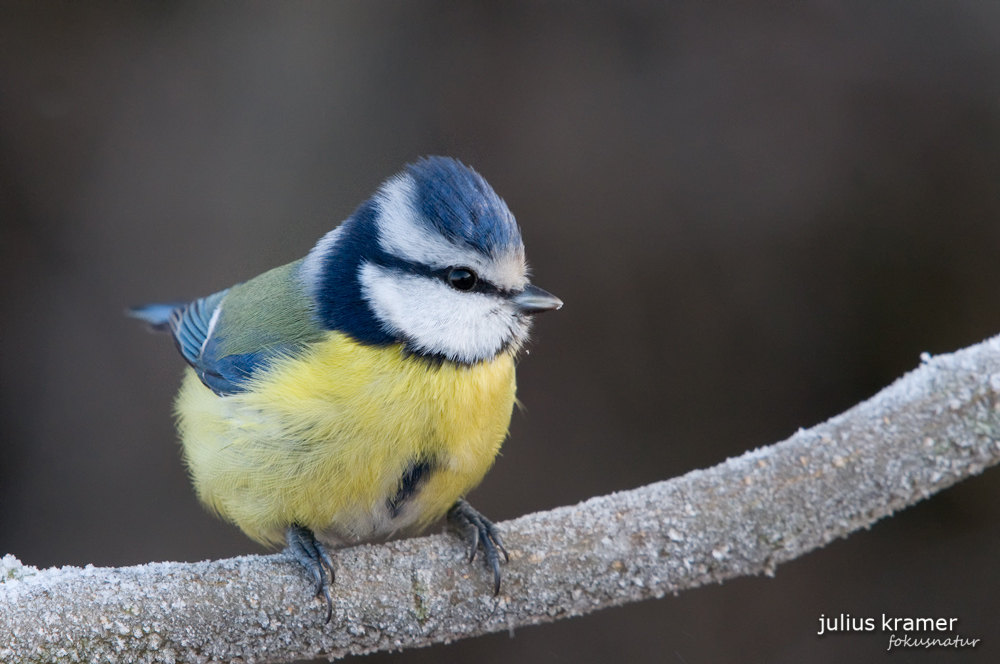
433,260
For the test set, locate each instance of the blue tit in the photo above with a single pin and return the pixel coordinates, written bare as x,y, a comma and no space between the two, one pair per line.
364,390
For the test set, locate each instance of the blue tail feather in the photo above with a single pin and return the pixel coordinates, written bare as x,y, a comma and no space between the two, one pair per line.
157,316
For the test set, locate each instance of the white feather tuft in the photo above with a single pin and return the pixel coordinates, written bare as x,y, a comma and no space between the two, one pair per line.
310,272
211,329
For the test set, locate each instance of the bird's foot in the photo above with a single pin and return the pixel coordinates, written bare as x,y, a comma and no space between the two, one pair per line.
312,555
479,531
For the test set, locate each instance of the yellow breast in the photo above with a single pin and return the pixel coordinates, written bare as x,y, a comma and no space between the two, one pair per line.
322,439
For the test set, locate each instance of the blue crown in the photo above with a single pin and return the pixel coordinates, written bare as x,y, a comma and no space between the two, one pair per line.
460,205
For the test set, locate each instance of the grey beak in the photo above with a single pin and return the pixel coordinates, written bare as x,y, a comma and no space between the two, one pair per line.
533,300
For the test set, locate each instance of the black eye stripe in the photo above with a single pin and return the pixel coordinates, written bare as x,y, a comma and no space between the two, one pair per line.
481,285
410,267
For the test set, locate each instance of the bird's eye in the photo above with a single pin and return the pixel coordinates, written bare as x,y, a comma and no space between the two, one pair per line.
462,278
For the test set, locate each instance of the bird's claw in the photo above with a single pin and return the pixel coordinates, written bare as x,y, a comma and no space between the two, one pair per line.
314,557
479,531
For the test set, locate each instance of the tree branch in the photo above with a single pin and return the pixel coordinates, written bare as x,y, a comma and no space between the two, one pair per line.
930,429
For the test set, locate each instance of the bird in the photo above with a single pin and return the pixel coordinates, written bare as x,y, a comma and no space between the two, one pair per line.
362,391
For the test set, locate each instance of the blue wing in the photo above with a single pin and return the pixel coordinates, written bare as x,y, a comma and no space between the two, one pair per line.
229,336
190,323
192,326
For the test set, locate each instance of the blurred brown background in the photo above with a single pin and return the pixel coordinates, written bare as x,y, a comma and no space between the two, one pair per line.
758,214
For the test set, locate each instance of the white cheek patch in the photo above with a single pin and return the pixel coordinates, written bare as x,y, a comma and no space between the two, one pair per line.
435,318
310,272
402,234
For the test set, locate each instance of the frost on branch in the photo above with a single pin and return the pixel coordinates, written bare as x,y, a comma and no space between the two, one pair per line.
930,429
